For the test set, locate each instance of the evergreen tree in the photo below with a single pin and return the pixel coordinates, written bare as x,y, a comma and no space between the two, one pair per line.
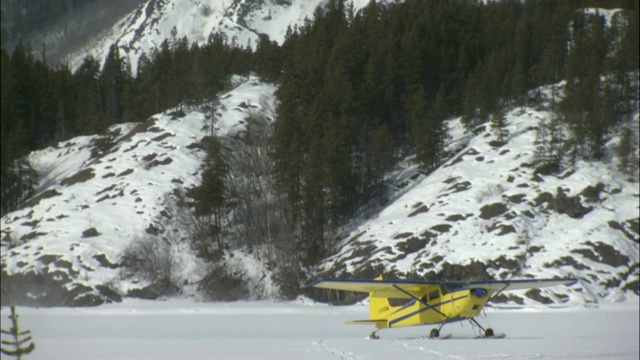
66,99
549,143
89,103
519,85
113,80
314,202
19,132
429,132
598,120
627,152
21,92
622,64
582,107
549,67
210,195
381,159
506,90
179,75
499,126
17,342
159,77
472,98
268,57
490,84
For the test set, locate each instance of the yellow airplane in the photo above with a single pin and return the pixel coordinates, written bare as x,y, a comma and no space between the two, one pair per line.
430,302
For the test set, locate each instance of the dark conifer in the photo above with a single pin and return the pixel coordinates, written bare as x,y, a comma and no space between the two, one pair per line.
113,80
499,125
210,195
89,103
627,159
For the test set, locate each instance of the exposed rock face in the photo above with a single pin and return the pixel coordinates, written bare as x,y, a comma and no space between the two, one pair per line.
52,288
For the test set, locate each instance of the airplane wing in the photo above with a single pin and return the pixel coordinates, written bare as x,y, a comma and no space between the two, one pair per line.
394,289
407,289
506,285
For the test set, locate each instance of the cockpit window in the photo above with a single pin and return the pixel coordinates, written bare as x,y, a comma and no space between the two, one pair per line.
448,286
433,295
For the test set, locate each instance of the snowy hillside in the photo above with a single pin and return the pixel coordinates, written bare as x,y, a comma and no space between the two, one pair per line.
95,199
240,21
485,213
488,213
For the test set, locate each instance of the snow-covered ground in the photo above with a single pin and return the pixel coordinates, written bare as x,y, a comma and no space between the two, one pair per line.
183,329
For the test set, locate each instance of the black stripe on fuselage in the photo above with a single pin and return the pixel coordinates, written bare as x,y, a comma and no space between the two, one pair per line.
430,307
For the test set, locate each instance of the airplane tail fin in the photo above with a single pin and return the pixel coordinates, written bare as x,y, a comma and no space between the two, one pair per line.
379,307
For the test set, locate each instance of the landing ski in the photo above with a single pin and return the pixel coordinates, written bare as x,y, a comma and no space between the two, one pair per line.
494,336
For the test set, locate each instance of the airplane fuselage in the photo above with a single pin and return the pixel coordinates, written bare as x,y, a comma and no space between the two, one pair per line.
435,308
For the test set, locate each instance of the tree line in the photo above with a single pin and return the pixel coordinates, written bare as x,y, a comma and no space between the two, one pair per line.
357,92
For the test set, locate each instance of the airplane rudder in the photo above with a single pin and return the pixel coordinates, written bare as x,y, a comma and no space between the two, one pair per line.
378,307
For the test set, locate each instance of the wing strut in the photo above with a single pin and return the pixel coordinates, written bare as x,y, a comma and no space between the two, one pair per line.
419,300
499,291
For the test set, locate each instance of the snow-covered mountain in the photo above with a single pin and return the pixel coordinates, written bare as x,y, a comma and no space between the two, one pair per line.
240,21
486,212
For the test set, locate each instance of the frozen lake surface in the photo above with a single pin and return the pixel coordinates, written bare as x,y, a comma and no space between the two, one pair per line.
184,329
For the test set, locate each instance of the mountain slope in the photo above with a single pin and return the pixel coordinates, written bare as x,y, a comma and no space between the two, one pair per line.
488,213
100,193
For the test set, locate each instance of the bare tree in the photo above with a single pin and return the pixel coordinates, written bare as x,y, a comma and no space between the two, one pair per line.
259,213
257,209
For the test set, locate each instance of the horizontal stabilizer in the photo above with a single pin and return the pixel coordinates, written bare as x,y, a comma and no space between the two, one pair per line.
379,323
